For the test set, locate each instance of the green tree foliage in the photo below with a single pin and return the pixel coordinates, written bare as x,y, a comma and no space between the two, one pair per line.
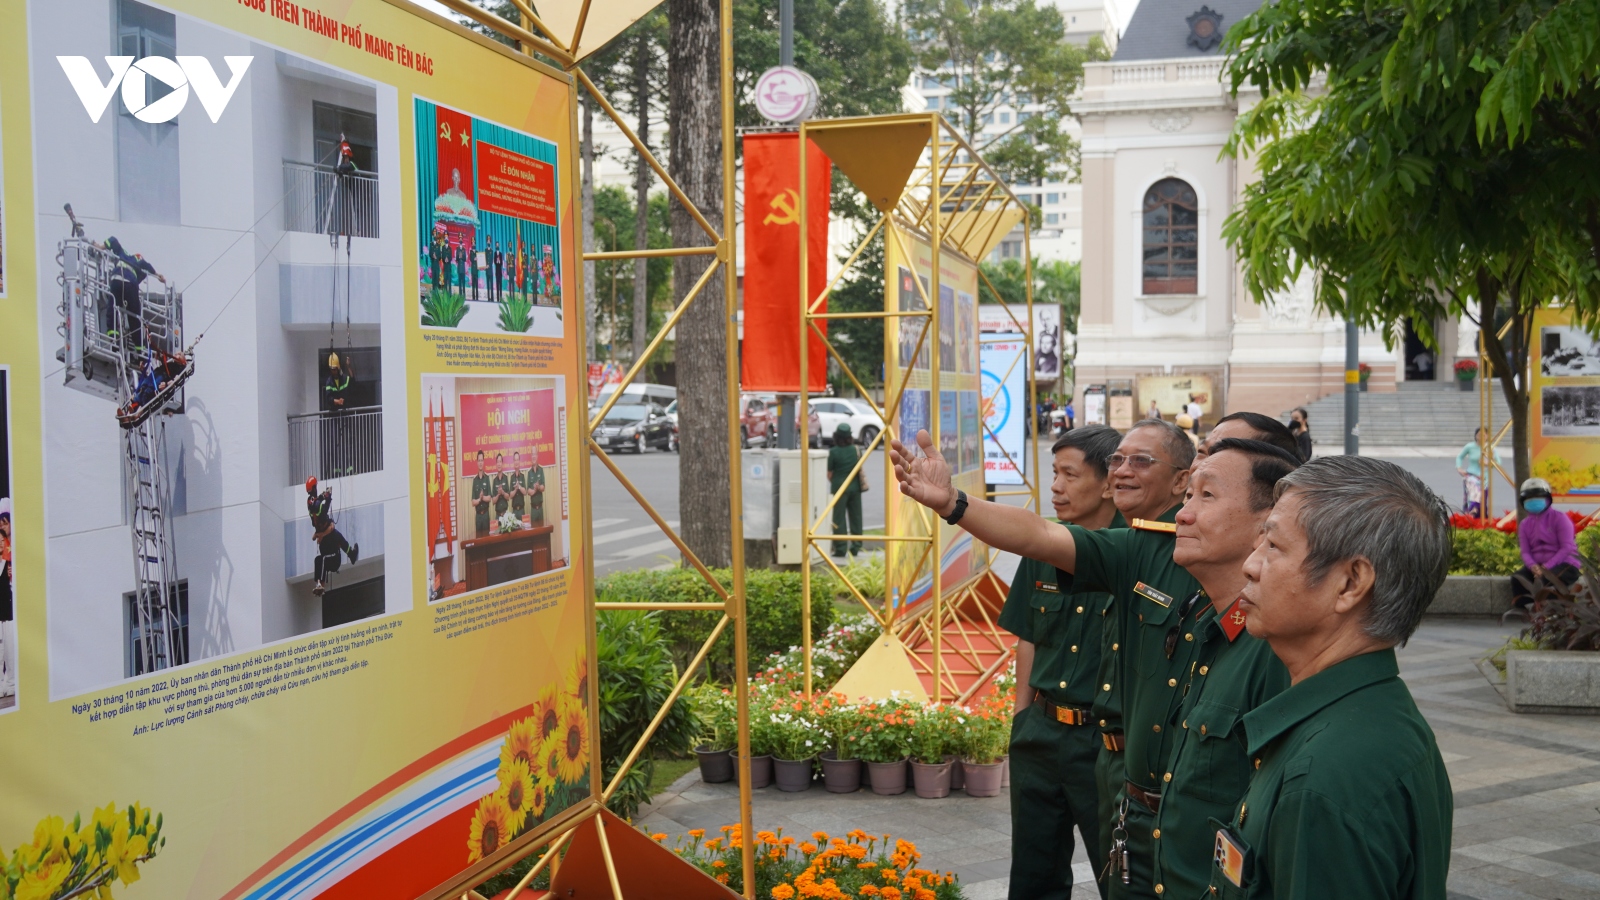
614,228
1054,282
1425,158
994,53
856,52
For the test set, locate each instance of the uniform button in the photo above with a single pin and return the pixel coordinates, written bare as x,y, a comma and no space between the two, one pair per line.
1202,729
1074,648
1080,609
1156,834
1160,889
1172,682
1063,684
1213,889
1188,637
1204,669
1186,723
1105,687
1115,646
1158,729
1258,762
1041,609
1102,723
1167,777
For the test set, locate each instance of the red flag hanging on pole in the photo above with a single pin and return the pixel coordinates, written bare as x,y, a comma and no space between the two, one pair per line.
771,355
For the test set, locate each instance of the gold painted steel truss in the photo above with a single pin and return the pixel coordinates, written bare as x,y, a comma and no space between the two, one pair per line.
587,29
923,177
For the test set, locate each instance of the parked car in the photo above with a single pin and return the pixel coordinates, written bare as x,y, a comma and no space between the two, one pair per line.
640,392
864,423
758,419
635,426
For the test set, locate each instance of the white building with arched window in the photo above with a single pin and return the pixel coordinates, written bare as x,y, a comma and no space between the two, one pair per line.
1162,295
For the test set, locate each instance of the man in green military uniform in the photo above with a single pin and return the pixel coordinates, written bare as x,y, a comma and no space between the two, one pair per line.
1349,797
482,495
535,491
501,486
517,486
1230,496
1054,739
1156,603
842,458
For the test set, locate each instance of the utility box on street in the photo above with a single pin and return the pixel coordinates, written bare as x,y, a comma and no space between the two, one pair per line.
790,515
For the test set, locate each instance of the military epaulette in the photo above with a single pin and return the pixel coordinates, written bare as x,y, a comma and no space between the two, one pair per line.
1152,525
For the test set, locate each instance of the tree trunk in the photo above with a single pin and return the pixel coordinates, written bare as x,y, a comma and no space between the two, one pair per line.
590,291
694,109
641,199
1514,388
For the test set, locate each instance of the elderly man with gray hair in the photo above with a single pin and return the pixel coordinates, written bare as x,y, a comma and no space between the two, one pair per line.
1349,797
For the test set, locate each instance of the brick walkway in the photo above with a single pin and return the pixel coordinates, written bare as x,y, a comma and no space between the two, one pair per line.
1527,792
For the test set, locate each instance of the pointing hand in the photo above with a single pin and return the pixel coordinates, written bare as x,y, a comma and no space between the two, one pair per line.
924,478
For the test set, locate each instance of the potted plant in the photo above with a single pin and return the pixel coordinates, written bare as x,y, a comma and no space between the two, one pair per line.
932,736
794,744
839,722
763,736
885,743
715,707
1466,373
983,743
1365,371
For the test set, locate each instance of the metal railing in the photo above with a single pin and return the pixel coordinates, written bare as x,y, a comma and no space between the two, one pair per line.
334,444
310,203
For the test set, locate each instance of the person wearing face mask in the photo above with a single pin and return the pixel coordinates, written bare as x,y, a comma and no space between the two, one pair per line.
1548,542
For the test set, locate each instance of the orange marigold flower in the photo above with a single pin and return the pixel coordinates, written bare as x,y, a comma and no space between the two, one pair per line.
866,865
820,837
889,874
718,864
808,848
697,833
925,894
858,835
723,878
766,837
714,844
890,893
869,890
659,836
856,851
782,892
787,841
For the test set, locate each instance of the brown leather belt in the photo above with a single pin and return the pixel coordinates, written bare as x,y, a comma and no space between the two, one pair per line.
1151,801
1114,741
1066,715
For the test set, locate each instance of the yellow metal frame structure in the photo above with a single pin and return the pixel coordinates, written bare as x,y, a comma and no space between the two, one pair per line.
1489,438
569,32
923,177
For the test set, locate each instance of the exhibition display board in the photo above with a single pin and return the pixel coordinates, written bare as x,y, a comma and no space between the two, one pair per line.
293,400
942,394
1564,405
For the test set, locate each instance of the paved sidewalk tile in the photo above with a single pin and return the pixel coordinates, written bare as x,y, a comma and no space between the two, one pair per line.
1527,793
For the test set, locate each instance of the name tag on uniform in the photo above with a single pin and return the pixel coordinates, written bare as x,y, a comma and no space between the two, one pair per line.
1047,586
1153,595
1230,857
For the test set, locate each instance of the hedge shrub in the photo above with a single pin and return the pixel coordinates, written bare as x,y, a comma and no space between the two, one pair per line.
1484,552
774,607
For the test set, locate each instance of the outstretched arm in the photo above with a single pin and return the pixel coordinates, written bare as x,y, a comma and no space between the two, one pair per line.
925,478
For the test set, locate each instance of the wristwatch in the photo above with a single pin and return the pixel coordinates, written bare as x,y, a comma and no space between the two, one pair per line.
960,510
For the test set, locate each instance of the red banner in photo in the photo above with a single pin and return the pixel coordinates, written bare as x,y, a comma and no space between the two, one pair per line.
515,185
507,422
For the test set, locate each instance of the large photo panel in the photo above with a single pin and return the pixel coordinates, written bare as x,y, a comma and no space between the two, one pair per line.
243,457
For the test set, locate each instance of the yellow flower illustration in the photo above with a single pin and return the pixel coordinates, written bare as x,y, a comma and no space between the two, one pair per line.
491,828
578,680
516,788
574,746
550,759
522,744
547,712
539,799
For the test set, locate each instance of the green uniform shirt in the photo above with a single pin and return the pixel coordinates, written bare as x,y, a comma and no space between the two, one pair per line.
501,483
1209,766
1150,591
1064,631
1349,798
841,459
536,501
1107,706
482,493
518,501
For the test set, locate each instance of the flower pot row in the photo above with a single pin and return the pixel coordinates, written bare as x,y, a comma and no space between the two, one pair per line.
844,776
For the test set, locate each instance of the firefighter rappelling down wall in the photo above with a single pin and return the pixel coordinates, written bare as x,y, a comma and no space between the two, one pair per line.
124,342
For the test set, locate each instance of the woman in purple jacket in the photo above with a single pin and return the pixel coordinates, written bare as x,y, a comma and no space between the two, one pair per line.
1549,544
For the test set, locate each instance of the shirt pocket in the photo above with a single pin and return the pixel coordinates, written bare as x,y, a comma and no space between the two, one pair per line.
1219,770
1250,881
1154,624
1048,613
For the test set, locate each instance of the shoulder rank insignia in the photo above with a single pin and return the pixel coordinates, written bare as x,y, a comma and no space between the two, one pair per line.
1153,525
1153,595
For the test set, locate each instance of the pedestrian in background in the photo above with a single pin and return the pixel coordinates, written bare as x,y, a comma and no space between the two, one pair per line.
1186,422
1194,410
1300,427
1153,413
1548,542
1469,462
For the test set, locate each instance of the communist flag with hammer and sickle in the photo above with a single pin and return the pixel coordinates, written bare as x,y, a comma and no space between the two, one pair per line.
771,356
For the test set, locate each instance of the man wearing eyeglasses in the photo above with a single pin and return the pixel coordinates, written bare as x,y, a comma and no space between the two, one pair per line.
1157,607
